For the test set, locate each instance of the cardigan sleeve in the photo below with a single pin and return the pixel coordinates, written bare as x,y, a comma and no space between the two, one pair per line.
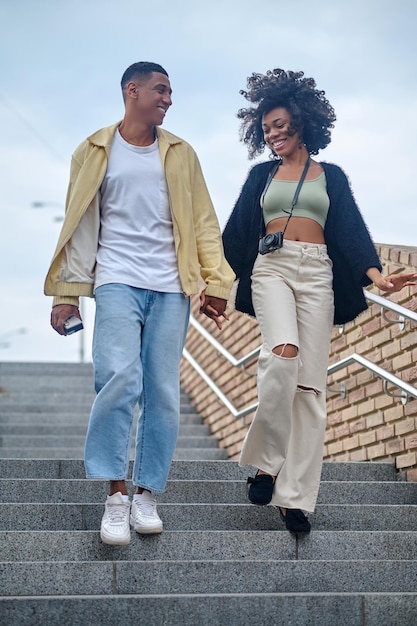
236,234
347,227
241,234
349,246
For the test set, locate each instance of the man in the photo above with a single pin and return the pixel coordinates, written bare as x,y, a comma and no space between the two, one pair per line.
139,234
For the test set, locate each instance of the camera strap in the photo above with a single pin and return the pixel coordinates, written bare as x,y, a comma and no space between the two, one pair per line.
271,175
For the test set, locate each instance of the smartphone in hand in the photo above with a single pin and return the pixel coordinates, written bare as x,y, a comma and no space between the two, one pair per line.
72,325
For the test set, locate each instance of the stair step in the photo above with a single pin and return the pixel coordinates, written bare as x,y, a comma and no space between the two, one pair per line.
9,431
194,469
52,398
11,400
77,441
42,453
203,545
87,516
52,418
202,454
28,368
249,609
78,409
201,491
173,577
181,453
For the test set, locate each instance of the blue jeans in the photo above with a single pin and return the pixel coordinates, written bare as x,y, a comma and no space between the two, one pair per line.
137,346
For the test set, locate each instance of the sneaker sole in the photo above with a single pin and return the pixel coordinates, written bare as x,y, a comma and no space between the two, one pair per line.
155,530
110,541
148,531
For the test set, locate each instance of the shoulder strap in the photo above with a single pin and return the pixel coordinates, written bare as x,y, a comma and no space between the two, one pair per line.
300,183
297,192
271,175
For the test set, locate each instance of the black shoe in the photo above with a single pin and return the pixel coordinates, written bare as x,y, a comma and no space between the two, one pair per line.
261,488
295,521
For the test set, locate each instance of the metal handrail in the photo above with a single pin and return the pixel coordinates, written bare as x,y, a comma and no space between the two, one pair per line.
220,395
402,311
382,302
221,349
406,389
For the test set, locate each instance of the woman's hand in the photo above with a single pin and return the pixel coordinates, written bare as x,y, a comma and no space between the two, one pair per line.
393,282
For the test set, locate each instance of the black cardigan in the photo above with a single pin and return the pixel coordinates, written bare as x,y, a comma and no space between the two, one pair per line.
349,244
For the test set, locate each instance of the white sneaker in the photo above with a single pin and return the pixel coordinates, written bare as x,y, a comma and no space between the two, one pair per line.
144,517
115,528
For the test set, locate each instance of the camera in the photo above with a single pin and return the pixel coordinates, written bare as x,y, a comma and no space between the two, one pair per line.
271,242
72,325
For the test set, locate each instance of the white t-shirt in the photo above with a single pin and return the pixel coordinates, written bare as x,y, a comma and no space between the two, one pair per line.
136,242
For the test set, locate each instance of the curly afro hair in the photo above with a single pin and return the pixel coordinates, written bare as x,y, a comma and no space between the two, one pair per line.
312,116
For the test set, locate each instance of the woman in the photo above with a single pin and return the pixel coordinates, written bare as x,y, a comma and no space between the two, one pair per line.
301,265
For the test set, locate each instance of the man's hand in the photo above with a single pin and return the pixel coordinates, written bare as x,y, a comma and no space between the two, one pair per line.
215,308
59,315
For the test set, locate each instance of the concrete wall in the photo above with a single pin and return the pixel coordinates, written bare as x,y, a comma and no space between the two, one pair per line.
367,424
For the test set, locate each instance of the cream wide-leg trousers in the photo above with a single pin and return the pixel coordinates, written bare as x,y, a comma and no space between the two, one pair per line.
293,300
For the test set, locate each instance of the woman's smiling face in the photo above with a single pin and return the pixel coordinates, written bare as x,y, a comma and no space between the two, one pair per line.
276,127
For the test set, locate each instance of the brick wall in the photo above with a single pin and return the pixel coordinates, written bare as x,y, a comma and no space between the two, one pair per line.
367,424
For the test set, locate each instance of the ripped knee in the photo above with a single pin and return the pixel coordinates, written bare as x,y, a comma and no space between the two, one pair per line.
308,389
286,350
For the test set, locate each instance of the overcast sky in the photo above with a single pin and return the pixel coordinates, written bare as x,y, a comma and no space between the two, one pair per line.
61,64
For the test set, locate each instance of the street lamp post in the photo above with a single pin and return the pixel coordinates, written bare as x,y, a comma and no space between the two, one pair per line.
53,205
81,346
4,343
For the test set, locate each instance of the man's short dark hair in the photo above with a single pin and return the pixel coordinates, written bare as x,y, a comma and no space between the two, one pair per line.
140,70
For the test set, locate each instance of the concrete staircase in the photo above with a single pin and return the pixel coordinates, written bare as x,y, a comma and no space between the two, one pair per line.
219,561
44,411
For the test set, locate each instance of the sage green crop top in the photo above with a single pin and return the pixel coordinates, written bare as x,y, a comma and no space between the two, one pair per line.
313,201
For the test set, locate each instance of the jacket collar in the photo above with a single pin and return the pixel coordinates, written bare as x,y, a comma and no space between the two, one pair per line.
104,136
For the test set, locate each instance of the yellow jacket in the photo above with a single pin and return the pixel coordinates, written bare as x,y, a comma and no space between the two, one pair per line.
197,234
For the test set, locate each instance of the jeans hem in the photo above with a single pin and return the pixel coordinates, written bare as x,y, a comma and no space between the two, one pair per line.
156,491
91,477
